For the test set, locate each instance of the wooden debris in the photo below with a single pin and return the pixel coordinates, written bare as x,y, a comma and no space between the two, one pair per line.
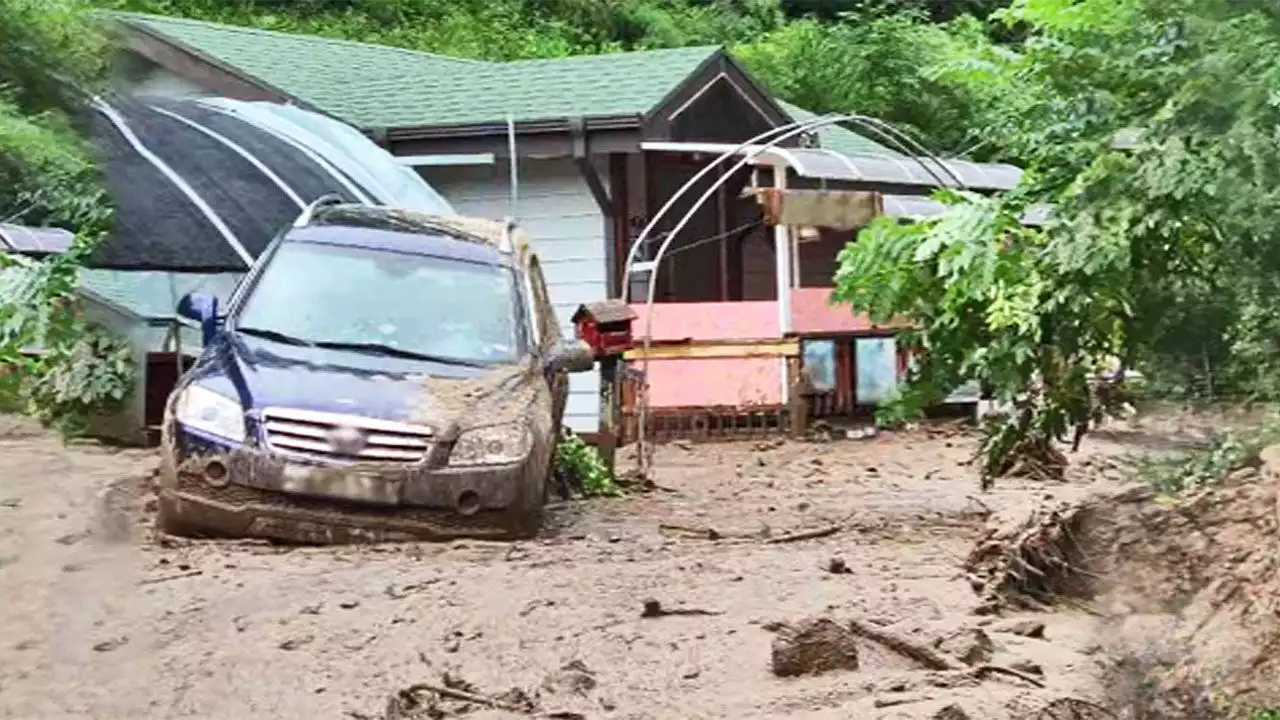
654,609
167,578
805,535
984,670
927,657
708,533
1031,563
930,658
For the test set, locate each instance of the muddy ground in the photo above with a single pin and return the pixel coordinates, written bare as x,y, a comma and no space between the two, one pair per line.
103,620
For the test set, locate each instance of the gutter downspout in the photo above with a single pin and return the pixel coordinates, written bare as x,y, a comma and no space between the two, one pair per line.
782,262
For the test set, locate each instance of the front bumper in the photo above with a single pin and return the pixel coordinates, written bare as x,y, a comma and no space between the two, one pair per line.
244,491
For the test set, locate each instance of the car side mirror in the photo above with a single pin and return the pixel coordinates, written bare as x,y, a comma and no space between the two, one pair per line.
202,309
572,356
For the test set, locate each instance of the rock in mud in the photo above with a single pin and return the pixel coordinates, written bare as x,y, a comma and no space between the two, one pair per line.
294,643
1025,628
573,678
971,646
814,646
517,700
951,712
112,644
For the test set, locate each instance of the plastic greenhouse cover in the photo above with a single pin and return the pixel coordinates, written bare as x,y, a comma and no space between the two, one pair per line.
344,147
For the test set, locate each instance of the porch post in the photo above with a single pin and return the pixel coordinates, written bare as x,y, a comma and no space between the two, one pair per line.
782,260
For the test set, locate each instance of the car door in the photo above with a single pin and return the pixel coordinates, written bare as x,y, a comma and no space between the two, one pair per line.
550,335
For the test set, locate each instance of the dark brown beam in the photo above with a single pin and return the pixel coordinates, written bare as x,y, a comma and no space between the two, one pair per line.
620,223
582,158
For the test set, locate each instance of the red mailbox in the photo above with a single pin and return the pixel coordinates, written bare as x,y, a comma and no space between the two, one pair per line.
605,326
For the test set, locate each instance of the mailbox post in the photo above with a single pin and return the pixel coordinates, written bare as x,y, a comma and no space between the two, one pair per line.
606,327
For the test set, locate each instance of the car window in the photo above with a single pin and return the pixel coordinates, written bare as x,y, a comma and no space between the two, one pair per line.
440,307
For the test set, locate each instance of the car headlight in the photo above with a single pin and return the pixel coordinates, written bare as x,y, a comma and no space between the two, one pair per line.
492,445
202,409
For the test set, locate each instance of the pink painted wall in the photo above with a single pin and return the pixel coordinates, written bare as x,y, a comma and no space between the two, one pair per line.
696,383
812,312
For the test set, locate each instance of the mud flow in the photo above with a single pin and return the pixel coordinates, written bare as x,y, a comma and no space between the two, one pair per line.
866,578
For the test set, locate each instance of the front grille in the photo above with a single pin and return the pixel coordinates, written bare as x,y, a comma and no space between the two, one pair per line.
310,434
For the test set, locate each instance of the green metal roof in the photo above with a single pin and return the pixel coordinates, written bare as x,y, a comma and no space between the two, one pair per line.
375,86
834,137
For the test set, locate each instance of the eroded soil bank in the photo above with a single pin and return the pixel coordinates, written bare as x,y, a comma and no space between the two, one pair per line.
102,620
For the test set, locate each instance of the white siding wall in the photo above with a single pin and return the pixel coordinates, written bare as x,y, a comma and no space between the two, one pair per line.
556,209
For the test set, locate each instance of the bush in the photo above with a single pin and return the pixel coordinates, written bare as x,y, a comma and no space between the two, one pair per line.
581,467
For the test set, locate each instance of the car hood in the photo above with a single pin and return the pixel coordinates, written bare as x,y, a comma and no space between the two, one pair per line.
265,374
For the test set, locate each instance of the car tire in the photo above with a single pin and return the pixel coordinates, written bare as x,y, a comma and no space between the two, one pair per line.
532,507
171,521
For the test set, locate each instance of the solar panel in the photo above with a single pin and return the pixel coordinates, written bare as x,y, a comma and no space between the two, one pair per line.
34,241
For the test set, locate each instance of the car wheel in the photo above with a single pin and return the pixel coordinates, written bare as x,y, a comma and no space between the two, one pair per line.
170,519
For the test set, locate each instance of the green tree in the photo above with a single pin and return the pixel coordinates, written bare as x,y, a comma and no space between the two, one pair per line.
51,58
1162,251
898,68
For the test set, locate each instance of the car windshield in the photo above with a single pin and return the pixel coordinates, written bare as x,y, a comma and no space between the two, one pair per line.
371,300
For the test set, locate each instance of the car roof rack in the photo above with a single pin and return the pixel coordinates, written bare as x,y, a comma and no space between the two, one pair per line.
304,218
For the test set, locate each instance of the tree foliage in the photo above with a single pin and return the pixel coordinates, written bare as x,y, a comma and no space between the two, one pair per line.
53,363
1161,252
881,58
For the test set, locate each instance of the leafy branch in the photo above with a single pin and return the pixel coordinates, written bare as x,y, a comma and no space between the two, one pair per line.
54,363
582,467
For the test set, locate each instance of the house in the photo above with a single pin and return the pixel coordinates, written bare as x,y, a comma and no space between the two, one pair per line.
598,144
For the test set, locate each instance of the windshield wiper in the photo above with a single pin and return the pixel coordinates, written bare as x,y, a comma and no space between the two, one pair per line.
391,350
274,335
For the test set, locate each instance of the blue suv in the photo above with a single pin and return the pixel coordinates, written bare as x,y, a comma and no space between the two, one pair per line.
377,375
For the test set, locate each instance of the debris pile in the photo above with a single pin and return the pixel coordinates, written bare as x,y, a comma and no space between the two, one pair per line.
1188,589
1031,562
1195,599
455,697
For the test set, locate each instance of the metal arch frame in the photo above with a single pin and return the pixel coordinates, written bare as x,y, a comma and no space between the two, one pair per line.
883,130
774,135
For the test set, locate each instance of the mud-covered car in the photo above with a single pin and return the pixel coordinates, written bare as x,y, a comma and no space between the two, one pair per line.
377,375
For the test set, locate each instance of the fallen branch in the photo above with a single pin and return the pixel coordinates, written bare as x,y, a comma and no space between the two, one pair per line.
460,695
805,535
704,532
654,609
932,659
984,670
927,657
167,578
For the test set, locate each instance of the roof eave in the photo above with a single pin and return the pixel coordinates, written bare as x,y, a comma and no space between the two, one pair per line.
522,127
142,32
713,58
